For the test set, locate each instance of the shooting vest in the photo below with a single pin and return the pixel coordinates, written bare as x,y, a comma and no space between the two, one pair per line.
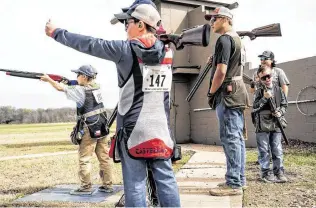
93,113
143,108
237,96
262,117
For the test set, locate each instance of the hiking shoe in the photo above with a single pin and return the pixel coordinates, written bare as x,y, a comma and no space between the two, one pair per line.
280,178
81,191
268,178
225,191
244,187
106,189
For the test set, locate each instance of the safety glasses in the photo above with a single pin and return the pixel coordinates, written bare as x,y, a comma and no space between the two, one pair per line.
129,21
264,78
213,19
264,58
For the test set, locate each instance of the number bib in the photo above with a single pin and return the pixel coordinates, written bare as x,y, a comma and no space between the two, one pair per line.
157,78
98,96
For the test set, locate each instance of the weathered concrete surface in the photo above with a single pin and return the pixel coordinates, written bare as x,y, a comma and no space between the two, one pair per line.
205,169
61,193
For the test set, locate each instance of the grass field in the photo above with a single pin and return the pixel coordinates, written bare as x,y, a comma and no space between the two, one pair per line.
25,176
17,140
299,191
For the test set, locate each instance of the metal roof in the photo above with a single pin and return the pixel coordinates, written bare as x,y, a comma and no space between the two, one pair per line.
197,3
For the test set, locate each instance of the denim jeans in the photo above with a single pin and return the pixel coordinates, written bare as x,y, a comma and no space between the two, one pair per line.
231,124
272,139
134,178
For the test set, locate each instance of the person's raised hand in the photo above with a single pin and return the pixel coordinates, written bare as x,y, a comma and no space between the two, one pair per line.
210,60
45,78
49,28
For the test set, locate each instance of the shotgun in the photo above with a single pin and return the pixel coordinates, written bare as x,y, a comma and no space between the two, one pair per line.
271,30
35,75
196,36
112,117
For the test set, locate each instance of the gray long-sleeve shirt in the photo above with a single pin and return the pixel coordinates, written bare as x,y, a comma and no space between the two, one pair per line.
118,51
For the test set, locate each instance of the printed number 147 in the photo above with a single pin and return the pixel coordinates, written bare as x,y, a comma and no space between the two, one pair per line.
158,80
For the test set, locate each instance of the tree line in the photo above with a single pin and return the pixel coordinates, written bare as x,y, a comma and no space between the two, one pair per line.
9,114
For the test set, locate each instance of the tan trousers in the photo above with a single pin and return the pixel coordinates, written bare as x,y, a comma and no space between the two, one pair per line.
101,149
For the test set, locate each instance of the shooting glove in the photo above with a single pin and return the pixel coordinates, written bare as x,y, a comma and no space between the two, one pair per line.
211,100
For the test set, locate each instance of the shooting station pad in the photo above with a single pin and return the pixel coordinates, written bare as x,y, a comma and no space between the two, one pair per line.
61,193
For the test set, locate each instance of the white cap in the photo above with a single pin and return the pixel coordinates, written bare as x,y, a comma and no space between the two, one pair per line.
144,12
219,11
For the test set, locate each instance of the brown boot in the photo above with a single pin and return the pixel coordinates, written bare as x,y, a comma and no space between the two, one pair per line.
244,187
226,190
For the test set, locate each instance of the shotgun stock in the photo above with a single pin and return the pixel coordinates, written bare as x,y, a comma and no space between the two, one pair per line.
272,30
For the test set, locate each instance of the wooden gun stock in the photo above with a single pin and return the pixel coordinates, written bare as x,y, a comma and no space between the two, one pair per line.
272,30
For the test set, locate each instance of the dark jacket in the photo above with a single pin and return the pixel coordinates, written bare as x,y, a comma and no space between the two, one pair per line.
262,116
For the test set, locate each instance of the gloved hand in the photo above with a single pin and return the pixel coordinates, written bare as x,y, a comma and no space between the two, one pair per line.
211,99
252,84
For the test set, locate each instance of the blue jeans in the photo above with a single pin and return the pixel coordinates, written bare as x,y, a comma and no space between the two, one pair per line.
134,178
231,124
265,141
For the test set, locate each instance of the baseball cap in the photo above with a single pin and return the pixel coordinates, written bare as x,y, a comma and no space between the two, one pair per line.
125,9
267,54
144,12
137,2
219,11
87,70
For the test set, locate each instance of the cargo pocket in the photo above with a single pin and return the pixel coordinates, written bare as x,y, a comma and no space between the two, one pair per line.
237,97
267,123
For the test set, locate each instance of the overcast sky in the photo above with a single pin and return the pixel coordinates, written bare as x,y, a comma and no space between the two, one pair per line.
24,45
